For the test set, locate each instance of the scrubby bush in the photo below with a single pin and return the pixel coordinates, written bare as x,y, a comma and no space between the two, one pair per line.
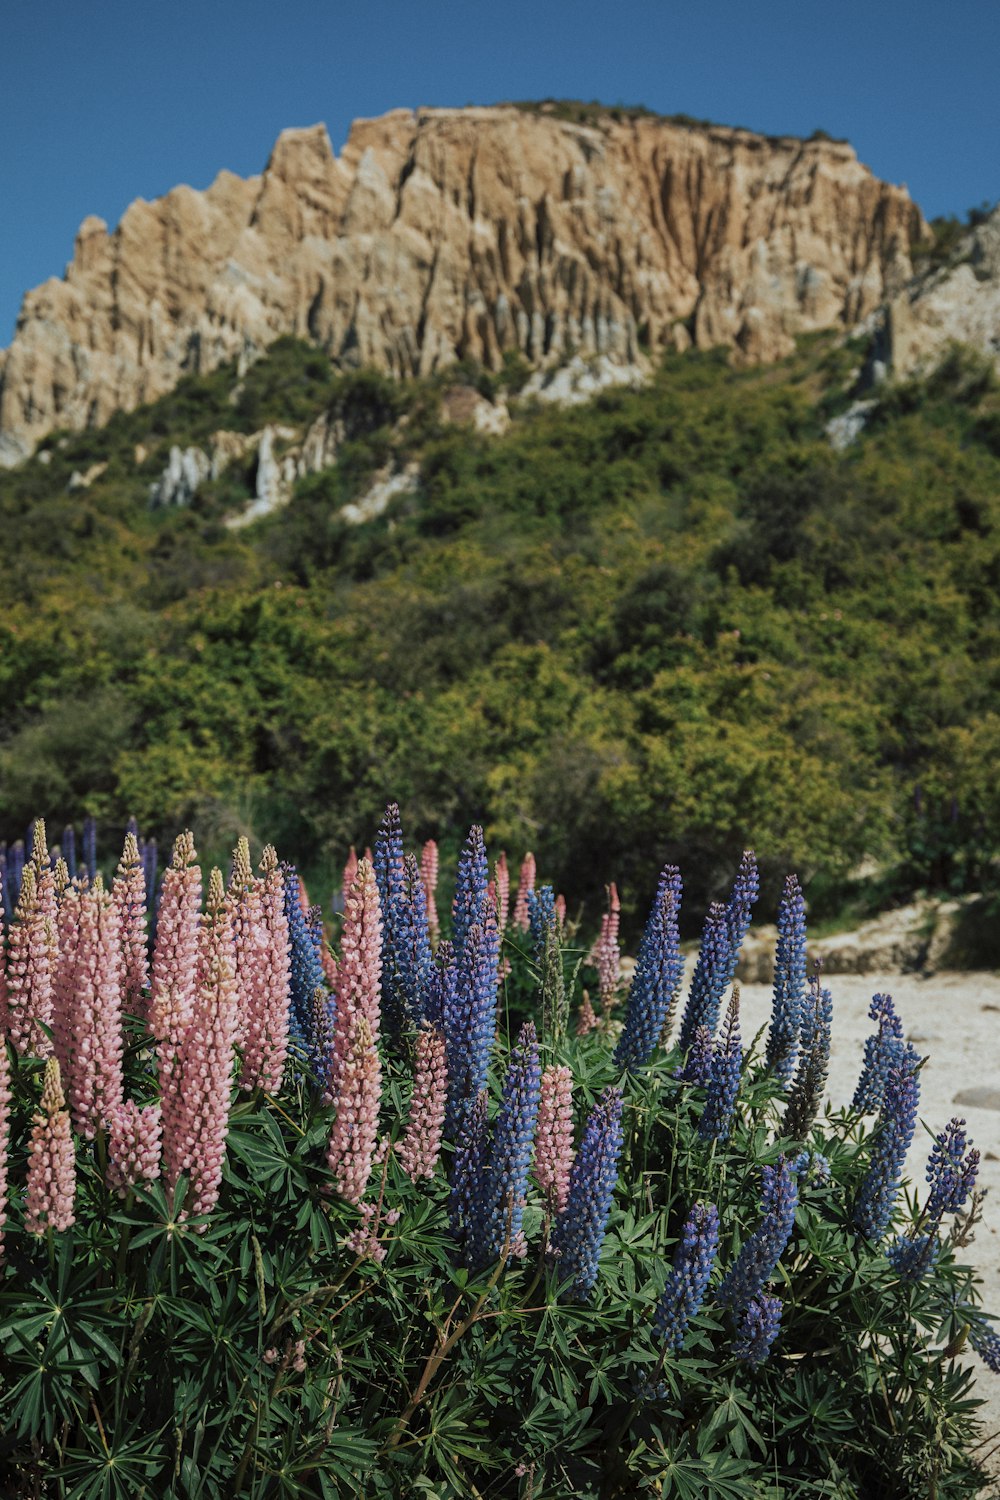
422,1218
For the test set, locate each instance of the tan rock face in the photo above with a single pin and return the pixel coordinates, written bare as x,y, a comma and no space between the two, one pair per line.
451,233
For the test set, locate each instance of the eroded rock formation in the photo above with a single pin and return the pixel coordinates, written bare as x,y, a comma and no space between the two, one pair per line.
446,233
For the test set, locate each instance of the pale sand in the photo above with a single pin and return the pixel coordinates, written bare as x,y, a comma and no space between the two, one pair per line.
954,1021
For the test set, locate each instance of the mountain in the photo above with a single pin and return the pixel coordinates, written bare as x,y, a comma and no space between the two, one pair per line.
464,233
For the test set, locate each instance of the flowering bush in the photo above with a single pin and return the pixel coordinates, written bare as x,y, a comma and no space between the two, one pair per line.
282,1222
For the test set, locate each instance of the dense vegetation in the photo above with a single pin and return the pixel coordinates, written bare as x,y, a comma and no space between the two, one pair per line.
678,611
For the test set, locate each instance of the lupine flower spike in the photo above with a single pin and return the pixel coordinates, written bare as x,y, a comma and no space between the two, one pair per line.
687,1283
429,878
133,1147
578,1233
951,1173
420,1146
470,1008
471,886
266,1038
244,903
90,1021
29,986
51,1184
554,1137
656,981
502,877
467,1199
806,1093
789,983
174,973
356,1071
606,955
759,1256
881,1050
129,896
586,1017
5,1098
725,929
510,1153
724,1077
757,1327
897,1121
525,885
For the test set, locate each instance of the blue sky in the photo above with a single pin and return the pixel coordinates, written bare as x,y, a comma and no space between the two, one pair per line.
106,102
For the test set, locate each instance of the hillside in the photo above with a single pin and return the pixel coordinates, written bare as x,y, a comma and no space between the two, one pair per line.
676,612
447,234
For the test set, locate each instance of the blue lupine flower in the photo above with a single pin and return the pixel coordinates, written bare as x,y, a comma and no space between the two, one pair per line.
467,1202
510,1153
542,918
746,1279
724,1077
789,983
578,1233
710,978
470,1010
407,957
698,1063
986,1342
657,978
306,977
806,1093
387,860
739,907
90,847
757,1327
950,1172
471,887
912,1256
812,1166
67,845
897,1122
881,1051
443,981
686,1285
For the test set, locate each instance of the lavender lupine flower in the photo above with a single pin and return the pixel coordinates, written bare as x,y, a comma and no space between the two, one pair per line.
725,928
578,1233
51,1184
554,1137
724,1078
710,978
471,886
656,982
789,983
467,1202
881,1051
687,1283
90,847
305,978
510,1152
470,1015
757,1327
420,1146
756,1262
806,1093
896,1124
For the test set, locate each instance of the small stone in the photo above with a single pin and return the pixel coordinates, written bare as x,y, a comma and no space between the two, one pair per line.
979,1098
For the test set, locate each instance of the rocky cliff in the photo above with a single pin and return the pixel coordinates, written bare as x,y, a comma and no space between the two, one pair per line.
446,233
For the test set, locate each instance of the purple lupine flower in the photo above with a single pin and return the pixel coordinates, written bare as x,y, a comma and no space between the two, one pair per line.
510,1154
881,1050
68,848
467,1199
444,977
913,1256
406,947
687,1283
471,887
711,975
90,847
739,907
578,1233
897,1122
986,1342
755,1264
806,1093
724,1077
656,981
757,1327
789,983
698,1063
470,1008
307,1027
541,917
950,1171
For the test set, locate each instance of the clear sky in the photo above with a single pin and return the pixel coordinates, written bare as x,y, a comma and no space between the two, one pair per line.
104,102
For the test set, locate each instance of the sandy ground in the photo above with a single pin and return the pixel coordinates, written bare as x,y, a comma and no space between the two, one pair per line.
954,1021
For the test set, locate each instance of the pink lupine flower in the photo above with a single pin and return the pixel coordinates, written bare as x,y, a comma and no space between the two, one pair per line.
350,871
5,1098
429,880
266,1041
525,884
89,1030
560,905
502,875
243,900
554,1137
174,973
128,892
133,1147
65,973
32,947
420,1146
607,954
363,1241
51,1185
359,992
196,1092
586,1016
351,1147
